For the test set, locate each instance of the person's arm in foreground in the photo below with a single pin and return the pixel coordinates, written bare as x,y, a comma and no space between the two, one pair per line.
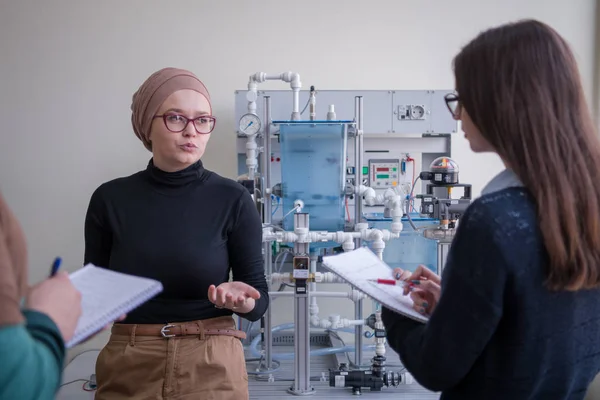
439,354
248,294
31,343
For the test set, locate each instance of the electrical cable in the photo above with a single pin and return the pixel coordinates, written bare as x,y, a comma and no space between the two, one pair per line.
410,198
75,380
77,355
306,106
85,381
263,372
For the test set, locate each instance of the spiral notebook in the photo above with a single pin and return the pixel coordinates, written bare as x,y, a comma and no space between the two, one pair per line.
359,266
106,295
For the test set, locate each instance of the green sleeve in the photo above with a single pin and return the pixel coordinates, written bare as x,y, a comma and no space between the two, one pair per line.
32,358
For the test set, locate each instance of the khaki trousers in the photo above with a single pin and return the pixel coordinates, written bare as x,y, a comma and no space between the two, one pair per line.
198,367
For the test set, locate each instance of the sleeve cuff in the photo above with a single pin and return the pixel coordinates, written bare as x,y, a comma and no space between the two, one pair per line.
260,307
44,329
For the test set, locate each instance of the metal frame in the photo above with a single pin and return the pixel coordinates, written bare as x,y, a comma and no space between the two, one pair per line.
301,384
358,157
434,143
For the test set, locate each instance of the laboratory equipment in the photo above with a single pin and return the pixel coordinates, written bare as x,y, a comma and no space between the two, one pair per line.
250,124
442,207
411,248
312,155
341,176
443,174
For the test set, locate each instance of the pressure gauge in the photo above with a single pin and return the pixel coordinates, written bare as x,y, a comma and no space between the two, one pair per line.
249,124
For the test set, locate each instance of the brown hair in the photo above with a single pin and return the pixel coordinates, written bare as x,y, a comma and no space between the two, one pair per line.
521,87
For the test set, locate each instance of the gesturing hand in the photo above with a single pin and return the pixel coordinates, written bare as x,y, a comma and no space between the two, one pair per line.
425,288
236,296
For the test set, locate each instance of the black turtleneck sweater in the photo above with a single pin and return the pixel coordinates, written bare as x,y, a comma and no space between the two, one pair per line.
186,229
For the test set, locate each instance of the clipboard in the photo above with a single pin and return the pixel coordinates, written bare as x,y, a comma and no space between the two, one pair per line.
358,267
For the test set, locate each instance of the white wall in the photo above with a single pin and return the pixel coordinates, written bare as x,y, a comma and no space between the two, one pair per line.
69,69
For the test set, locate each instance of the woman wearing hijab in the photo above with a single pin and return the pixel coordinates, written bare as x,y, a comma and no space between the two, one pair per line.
189,228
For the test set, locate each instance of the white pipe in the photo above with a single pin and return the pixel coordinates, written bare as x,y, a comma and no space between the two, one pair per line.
304,236
379,342
339,295
252,156
293,78
319,277
336,322
348,244
391,199
376,236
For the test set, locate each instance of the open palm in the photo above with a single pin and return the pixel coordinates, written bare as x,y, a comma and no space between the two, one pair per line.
236,296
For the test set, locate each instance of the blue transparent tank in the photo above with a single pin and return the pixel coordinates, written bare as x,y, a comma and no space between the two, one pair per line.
312,170
411,249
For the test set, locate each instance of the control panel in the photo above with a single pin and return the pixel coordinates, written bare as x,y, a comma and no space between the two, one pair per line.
351,176
384,174
411,111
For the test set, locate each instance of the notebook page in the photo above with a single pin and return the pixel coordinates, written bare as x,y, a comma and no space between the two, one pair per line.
106,295
357,267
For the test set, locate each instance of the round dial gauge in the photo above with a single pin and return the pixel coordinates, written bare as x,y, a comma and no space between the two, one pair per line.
249,124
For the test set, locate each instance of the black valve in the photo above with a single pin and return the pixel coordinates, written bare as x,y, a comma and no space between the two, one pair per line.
301,275
359,379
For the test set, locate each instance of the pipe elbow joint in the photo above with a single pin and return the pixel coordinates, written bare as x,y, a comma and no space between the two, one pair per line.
348,245
370,196
397,227
294,79
315,321
375,235
361,227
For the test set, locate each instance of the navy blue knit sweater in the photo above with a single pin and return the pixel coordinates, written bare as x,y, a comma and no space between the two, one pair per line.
497,332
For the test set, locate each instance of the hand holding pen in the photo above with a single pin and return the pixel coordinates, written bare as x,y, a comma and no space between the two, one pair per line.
423,285
407,285
58,299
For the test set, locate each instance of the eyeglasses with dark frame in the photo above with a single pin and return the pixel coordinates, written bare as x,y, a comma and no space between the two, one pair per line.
453,103
177,123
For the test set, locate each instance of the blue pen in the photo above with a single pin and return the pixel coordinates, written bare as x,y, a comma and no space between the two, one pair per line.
55,266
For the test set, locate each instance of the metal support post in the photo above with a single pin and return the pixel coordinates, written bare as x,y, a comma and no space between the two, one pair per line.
266,159
358,161
266,333
442,255
268,256
301,264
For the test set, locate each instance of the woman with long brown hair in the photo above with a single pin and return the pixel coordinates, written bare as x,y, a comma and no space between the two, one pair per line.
516,314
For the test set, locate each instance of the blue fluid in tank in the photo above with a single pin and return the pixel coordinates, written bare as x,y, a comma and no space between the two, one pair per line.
312,170
411,249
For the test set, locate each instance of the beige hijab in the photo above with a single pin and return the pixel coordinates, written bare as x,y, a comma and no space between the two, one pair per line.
154,91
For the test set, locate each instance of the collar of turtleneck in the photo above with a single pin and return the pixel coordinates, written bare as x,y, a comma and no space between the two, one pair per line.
178,178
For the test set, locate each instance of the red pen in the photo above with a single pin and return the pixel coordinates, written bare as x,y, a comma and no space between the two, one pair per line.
392,282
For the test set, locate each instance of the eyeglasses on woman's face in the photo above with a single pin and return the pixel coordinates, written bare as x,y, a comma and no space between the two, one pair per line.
177,123
453,103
